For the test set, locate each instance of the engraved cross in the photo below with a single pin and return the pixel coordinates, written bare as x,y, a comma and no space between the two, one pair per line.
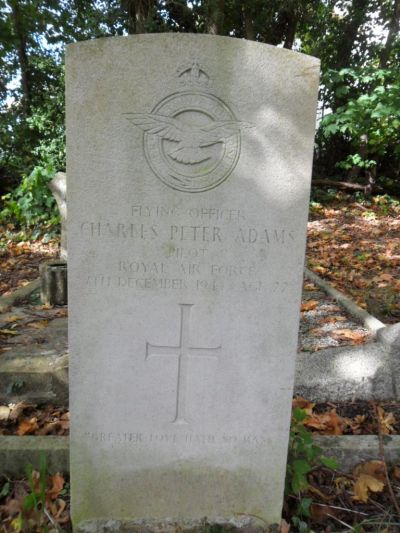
183,351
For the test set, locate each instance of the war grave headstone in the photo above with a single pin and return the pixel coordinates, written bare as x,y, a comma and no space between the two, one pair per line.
189,161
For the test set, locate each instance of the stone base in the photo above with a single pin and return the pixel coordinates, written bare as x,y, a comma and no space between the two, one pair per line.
243,525
53,286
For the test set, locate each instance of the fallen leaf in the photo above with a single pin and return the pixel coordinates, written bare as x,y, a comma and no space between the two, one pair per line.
309,305
357,423
386,421
302,403
332,319
8,332
329,423
39,325
363,485
309,286
12,318
64,421
374,468
57,485
49,428
27,427
321,513
357,337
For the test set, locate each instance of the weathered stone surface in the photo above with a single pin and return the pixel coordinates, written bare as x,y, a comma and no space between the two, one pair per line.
189,163
53,283
338,374
18,452
390,338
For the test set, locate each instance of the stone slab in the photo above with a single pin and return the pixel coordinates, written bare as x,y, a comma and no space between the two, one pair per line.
188,167
18,452
6,302
35,369
340,374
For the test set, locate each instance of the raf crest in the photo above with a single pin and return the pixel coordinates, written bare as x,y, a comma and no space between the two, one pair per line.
191,138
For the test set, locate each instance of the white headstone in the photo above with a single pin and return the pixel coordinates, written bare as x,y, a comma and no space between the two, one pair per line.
189,162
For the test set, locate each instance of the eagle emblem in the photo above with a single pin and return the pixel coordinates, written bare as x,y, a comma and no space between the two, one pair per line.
191,138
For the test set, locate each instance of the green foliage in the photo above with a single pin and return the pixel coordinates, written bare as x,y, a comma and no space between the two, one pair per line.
369,118
32,203
303,456
36,500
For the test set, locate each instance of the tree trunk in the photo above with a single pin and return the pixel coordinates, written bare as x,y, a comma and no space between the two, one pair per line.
215,16
138,12
291,30
22,54
248,23
393,32
345,45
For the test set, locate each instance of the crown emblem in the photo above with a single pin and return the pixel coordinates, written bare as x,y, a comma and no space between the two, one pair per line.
193,76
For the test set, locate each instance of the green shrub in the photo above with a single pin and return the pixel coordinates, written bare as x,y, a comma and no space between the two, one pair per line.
32,204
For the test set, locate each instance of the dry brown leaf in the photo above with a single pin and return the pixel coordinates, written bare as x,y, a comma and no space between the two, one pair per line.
332,319
309,286
12,507
321,513
64,421
39,325
357,337
8,332
386,421
12,318
374,468
320,494
309,305
317,332
356,423
50,427
44,307
57,485
363,485
27,427
329,423
302,403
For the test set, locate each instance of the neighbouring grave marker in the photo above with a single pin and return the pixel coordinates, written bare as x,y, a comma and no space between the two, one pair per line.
189,161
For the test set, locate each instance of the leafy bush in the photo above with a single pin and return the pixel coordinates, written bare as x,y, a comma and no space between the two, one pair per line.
32,203
369,118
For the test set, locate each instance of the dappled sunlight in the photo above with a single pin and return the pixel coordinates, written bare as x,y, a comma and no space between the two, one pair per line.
358,251
363,367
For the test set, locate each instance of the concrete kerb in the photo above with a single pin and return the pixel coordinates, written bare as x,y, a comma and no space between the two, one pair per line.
369,321
349,450
23,292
